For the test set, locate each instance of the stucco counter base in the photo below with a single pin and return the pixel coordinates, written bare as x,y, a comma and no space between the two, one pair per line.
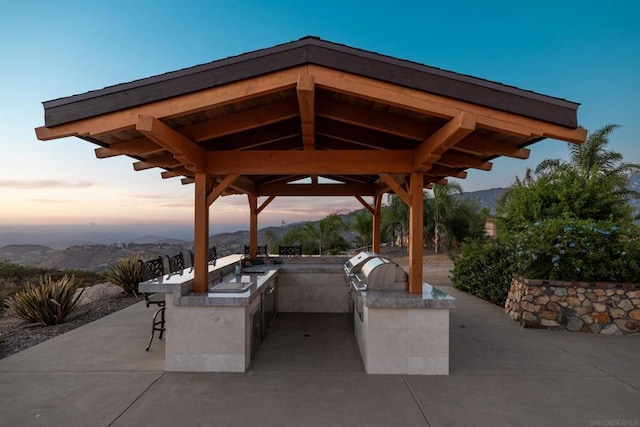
401,333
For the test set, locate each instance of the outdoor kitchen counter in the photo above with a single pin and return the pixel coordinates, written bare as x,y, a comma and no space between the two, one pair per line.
430,298
179,285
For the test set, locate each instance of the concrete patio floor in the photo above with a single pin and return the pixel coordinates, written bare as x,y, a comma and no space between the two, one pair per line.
500,375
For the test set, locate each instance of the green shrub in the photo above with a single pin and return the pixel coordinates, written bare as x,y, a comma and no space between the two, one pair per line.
484,268
49,303
578,250
126,273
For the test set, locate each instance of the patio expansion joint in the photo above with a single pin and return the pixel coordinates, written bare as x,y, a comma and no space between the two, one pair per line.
630,385
136,399
415,399
597,367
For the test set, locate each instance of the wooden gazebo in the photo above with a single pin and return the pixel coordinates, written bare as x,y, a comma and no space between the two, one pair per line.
256,123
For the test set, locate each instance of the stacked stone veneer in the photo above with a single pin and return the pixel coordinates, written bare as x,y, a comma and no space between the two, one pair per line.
604,308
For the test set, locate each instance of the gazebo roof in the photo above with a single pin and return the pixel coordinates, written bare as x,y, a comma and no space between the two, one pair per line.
308,109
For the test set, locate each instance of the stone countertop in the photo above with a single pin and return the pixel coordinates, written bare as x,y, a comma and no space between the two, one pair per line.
430,298
259,282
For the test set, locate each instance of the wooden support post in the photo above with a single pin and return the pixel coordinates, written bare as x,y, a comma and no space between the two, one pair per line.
377,222
201,234
416,234
253,224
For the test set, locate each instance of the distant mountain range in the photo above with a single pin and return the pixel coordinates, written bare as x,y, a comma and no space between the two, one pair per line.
29,248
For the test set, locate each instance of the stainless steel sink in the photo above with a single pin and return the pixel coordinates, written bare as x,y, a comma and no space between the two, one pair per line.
232,287
252,271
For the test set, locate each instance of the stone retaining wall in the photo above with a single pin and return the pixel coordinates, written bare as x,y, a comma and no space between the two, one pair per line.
604,308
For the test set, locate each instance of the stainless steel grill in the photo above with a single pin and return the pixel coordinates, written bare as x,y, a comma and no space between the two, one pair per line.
368,271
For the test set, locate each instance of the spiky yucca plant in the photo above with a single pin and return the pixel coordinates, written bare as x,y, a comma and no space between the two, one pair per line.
126,273
50,302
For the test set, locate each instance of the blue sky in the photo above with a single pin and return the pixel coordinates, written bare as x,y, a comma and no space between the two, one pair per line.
583,51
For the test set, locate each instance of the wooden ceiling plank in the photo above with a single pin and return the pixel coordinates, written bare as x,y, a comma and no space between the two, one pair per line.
187,181
444,138
303,162
182,148
440,106
239,122
397,188
305,90
488,147
176,106
141,146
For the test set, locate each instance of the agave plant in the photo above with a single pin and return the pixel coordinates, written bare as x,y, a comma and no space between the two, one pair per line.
50,302
126,273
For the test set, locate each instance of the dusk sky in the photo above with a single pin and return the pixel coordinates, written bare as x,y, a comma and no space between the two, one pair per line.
584,51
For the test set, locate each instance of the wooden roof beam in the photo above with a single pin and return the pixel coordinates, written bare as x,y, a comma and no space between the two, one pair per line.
429,151
141,146
306,102
488,147
182,148
304,162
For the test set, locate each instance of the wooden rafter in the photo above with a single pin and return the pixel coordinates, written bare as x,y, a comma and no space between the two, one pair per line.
461,160
142,146
440,170
375,120
485,146
164,160
431,149
306,102
179,171
242,121
183,149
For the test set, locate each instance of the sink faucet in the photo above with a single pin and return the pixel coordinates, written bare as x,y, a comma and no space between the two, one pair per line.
238,268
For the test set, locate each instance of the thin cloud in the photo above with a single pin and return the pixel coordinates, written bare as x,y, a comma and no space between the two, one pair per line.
43,183
52,201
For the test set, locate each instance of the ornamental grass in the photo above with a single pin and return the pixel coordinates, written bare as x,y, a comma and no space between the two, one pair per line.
50,302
